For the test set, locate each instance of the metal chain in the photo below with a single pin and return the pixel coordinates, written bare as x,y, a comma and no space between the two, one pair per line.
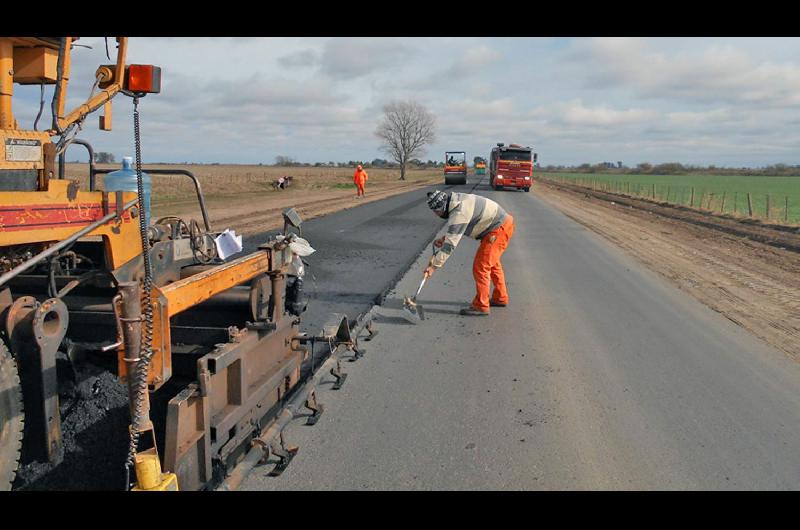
146,353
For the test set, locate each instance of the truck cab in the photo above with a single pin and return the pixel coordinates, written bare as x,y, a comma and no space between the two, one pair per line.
511,167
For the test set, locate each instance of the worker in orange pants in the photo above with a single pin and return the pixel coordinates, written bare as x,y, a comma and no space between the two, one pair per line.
479,218
360,179
487,267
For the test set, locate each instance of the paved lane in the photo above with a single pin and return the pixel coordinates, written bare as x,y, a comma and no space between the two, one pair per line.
599,375
360,252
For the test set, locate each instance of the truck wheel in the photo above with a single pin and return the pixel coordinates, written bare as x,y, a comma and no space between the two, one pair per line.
527,190
498,187
11,418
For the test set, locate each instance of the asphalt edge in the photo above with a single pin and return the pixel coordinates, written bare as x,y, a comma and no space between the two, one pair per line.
380,298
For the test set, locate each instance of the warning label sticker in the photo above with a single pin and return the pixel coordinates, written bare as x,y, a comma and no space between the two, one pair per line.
23,150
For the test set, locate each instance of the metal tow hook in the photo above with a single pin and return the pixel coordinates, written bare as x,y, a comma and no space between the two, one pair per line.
336,372
284,453
372,332
315,407
358,352
261,444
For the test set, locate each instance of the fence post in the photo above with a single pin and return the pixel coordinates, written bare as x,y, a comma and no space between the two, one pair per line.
786,210
691,201
749,205
722,207
667,193
767,206
654,191
710,198
702,196
735,196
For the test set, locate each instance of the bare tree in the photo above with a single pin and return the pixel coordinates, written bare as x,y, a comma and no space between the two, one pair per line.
104,158
282,160
404,130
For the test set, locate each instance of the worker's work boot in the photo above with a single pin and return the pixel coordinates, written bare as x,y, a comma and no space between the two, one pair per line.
472,312
497,304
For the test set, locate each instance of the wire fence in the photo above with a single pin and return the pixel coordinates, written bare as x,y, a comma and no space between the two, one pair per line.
777,208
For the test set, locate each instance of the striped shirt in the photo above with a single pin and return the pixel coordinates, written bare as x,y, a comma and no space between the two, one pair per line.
472,216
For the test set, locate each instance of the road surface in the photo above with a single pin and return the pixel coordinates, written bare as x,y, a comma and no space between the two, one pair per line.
599,375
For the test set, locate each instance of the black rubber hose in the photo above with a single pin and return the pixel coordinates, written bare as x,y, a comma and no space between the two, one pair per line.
146,351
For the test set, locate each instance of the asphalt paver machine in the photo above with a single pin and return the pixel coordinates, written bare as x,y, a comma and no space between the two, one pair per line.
84,278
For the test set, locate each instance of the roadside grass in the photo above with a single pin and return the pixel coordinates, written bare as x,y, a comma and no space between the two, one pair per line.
718,193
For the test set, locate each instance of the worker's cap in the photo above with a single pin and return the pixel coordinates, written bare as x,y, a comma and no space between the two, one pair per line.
437,200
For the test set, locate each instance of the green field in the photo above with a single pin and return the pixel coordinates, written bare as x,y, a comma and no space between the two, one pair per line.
718,193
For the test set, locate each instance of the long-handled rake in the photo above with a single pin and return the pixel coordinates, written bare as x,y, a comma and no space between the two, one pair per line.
412,311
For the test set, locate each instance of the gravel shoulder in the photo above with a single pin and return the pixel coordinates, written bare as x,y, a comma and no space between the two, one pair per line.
747,276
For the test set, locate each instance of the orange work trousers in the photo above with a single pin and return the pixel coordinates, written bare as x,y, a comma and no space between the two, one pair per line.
487,268
359,188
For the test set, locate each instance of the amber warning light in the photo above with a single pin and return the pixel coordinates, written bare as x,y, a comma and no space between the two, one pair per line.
143,78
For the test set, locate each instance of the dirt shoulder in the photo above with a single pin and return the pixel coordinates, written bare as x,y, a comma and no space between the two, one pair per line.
253,212
750,277
243,198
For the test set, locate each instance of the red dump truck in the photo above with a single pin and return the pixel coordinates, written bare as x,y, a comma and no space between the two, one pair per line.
511,167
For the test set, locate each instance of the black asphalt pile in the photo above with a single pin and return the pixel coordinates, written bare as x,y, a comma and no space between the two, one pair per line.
94,424
360,253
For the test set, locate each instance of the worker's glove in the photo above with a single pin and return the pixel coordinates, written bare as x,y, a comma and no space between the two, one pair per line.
429,270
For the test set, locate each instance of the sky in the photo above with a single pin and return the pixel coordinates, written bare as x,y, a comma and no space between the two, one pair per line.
730,102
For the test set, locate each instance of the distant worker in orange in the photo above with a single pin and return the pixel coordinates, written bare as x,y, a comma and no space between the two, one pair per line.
360,179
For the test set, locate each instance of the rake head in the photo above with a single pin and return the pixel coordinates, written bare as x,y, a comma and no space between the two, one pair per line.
412,311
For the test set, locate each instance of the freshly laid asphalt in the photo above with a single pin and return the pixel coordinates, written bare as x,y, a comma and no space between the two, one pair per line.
360,252
598,375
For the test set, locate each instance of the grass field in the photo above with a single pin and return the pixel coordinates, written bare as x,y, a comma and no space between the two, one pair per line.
236,180
718,193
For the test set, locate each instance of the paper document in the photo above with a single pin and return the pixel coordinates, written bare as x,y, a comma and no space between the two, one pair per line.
228,243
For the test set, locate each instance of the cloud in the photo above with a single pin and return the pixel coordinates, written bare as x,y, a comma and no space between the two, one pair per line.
575,114
574,100
273,92
350,58
299,59
471,62
714,74
473,110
